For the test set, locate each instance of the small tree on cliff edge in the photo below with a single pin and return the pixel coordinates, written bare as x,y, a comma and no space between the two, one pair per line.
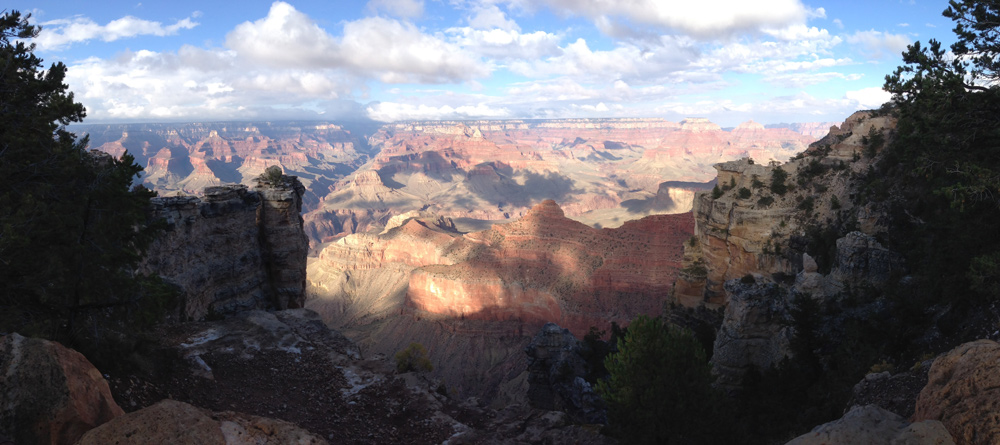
72,227
660,387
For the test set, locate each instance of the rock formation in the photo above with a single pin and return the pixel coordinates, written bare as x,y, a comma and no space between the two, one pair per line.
233,249
556,373
174,422
874,425
49,394
963,392
754,332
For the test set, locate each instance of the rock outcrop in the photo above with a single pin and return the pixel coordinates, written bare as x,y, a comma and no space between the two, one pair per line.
49,394
874,425
754,331
963,392
751,225
233,249
556,373
173,422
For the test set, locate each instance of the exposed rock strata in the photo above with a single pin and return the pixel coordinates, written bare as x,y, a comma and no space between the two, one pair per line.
462,294
737,236
874,425
233,249
963,392
49,394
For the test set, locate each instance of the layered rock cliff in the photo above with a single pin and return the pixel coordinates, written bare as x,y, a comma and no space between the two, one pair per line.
771,233
232,249
473,298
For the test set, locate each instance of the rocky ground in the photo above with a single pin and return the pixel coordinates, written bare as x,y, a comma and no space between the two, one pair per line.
289,366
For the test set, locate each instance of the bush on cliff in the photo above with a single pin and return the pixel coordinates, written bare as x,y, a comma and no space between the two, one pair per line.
72,227
659,388
413,358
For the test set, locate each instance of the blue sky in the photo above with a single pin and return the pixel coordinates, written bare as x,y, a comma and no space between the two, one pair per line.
771,61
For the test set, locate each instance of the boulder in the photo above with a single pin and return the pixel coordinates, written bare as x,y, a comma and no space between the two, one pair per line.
875,426
173,422
49,394
963,392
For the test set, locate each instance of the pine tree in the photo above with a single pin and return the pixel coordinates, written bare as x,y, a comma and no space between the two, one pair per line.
72,226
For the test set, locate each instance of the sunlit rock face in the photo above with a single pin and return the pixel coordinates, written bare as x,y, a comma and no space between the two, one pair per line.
474,298
736,235
232,249
543,267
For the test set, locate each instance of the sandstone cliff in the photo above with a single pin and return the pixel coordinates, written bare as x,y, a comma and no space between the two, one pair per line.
233,249
770,227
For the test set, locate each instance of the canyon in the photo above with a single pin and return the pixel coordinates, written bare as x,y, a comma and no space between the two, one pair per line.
602,172
500,297
465,236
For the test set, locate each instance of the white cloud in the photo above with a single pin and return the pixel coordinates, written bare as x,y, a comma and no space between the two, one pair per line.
799,80
705,19
58,34
398,52
878,44
507,44
286,37
869,98
628,62
387,49
392,111
490,17
197,84
839,23
397,8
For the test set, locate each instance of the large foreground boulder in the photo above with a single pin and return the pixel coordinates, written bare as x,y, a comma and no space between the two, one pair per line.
871,425
49,394
173,422
963,392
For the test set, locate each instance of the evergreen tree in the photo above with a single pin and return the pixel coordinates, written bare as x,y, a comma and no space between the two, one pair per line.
72,226
659,388
944,163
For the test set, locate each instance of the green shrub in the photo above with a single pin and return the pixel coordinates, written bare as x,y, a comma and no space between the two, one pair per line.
743,193
413,358
272,175
765,201
778,177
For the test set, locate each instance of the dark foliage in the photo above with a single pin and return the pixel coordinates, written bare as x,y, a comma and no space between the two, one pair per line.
72,227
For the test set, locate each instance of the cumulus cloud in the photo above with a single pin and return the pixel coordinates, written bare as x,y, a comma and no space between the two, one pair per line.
58,34
706,19
878,44
628,62
398,52
194,83
397,8
490,16
388,49
507,44
869,98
